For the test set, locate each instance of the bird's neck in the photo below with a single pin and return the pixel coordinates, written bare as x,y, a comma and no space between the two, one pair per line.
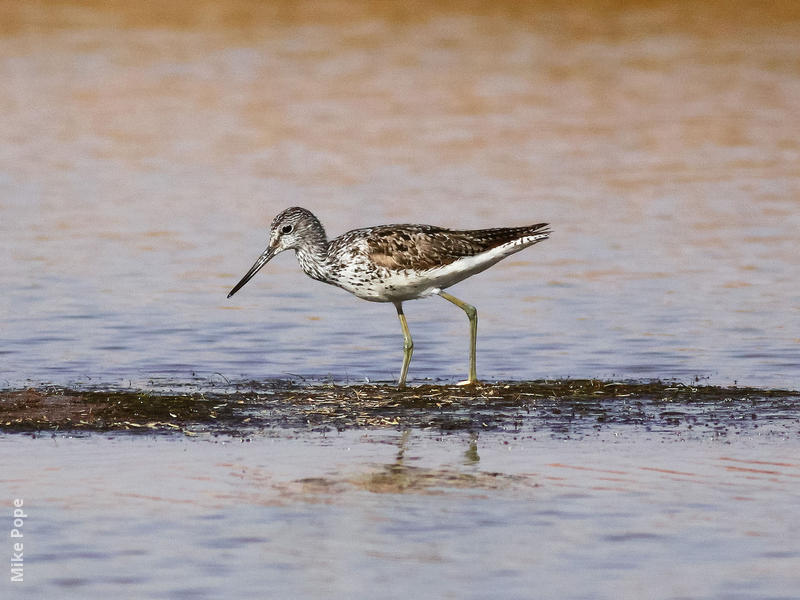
313,254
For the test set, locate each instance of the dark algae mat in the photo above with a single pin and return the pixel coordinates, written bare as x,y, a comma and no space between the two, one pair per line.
563,407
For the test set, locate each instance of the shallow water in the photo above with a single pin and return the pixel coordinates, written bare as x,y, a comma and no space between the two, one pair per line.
145,149
616,514
589,491
145,153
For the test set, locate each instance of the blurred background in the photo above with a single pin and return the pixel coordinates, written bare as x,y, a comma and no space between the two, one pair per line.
146,146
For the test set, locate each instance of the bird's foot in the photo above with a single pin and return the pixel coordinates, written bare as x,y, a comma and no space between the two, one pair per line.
468,382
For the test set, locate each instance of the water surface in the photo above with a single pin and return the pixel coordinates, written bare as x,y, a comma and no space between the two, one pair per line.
616,514
145,152
147,146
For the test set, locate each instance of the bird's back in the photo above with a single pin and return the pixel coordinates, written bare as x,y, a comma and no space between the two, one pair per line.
424,247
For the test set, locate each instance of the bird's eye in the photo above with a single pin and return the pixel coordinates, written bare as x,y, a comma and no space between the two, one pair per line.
286,229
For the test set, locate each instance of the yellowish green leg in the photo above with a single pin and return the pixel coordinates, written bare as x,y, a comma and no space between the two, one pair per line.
408,344
472,315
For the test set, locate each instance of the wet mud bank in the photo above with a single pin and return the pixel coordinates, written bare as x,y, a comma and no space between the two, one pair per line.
565,408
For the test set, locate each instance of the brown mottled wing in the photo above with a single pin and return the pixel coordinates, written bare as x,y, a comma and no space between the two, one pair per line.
424,247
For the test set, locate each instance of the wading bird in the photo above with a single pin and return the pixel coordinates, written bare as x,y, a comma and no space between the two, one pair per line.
395,263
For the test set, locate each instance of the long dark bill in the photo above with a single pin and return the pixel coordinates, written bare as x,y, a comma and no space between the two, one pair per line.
262,260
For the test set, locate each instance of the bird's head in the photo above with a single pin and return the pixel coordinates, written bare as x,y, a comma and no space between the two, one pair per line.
293,228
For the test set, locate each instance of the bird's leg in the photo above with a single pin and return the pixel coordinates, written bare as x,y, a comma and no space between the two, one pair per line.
472,314
408,344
